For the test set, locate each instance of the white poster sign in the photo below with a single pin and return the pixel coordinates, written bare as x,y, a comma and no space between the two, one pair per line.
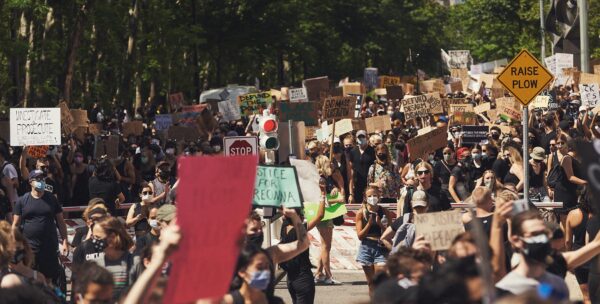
35,126
590,94
230,109
298,95
563,61
308,178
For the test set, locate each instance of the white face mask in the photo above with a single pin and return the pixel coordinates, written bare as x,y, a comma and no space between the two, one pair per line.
488,183
153,223
146,197
373,200
170,151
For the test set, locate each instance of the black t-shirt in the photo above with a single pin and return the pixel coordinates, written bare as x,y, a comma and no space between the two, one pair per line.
106,190
361,164
500,167
143,241
486,223
85,252
38,220
545,139
437,200
80,234
442,171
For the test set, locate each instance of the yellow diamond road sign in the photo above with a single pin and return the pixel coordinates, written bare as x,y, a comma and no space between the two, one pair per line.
525,77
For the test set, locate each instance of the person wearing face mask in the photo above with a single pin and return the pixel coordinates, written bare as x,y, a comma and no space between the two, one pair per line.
37,214
254,279
383,176
9,179
502,164
488,180
489,153
95,210
103,184
161,185
313,151
537,170
361,157
443,170
476,164
459,184
110,236
484,206
494,137
79,179
153,236
348,146
529,237
372,253
402,232
137,216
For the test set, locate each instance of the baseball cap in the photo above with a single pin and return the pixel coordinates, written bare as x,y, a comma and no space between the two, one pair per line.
36,174
166,213
361,133
419,199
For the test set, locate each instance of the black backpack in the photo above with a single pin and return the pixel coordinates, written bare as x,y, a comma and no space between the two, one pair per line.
557,173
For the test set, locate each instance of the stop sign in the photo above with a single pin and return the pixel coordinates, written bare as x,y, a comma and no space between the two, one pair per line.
240,145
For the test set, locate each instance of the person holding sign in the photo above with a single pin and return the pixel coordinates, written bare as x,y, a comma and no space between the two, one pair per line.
372,253
300,281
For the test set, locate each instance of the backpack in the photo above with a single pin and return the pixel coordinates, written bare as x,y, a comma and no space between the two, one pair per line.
556,174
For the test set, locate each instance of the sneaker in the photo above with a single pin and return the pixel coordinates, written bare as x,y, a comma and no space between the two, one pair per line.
331,281
319,279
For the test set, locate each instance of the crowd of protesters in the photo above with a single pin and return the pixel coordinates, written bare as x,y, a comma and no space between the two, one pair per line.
121,254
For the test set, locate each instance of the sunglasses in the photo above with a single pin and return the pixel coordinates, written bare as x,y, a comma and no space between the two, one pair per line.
423,172
560,143
147,193
537,160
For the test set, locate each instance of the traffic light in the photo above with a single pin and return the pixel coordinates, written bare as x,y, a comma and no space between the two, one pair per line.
268,132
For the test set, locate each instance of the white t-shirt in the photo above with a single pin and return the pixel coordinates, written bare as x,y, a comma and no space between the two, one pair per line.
517,283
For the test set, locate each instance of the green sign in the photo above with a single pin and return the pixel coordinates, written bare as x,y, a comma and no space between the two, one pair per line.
277,186
299,111
331,212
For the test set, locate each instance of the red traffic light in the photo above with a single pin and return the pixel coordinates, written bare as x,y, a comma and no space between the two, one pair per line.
269,125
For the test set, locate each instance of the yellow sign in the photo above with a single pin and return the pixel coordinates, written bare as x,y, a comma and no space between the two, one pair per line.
525,77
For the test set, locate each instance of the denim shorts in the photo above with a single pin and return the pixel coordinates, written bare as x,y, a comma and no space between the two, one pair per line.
370,252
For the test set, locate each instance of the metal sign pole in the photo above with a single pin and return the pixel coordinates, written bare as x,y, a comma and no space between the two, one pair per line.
290,136
526,152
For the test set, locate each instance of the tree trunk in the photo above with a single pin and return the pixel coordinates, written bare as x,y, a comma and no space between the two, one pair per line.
74,46
129,69
196,63
27,87
14,70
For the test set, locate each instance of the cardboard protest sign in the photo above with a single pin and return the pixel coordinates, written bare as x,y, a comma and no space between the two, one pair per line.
298,95
378,123
95,128
35,126
310,132
299,111
163,122
446,102
254,103
37,151
459,59
385,81
426,86
484,107
331,212
298,139
461,108
209,248
474,134
314,87
370,78
277,186
189,115
230,110
422,106
439,228
133,128
106,145
422,145
590,95
80,132
509,107
407,88
456,86
562,61
586,78
352,88
462,116
80,118
339,107
181,133
308,178
176,101
487,79
540,102
394,92
66,119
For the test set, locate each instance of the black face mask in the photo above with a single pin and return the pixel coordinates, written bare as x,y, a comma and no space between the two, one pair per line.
99,244
314,155
18,256
164,174
348,149
400,146
256,239
495,136
537,249
382,157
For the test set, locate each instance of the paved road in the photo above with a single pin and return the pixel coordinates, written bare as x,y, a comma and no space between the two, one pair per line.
353,289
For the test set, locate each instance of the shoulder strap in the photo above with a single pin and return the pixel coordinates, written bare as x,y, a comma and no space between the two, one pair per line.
446,166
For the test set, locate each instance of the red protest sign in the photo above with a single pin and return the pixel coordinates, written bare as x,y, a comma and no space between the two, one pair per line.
205,260
37,151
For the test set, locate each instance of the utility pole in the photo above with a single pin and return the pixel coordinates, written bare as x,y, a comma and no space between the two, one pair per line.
583,35
542,30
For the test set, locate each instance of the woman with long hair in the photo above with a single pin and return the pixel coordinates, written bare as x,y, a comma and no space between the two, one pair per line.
110,236
489,180
372,253
383,176
254,278
515,173
335,194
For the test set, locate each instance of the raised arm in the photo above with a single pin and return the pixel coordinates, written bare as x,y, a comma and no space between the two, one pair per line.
500,216
285,252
